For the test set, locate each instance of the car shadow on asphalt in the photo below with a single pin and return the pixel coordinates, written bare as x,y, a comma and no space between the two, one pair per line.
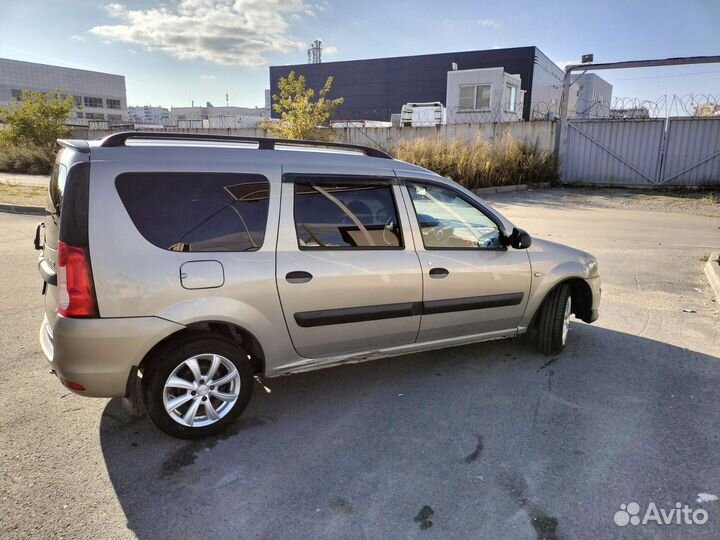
483,441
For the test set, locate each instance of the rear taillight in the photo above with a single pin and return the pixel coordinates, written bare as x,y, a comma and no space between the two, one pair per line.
72,385
76,292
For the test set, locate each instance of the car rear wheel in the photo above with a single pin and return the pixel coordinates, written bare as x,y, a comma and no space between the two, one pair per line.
197,387
554,321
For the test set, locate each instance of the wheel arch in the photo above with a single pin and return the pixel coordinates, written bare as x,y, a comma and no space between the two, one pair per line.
236,333
581,295
133,400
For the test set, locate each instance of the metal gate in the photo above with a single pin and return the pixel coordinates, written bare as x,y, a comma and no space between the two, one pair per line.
692,152
635,152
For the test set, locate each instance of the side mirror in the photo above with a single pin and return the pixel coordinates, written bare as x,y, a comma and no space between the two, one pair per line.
427,222
519,239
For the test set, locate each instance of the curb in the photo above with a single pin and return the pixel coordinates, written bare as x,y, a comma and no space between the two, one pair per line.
712,271
500,189
23,209
509,189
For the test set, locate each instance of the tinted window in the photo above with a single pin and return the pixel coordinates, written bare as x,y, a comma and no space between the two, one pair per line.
447,221
346,215
197,211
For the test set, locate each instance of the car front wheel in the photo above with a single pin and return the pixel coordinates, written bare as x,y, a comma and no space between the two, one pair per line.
197,387
554,321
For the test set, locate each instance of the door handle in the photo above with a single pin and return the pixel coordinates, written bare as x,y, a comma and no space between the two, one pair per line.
439,273
298,277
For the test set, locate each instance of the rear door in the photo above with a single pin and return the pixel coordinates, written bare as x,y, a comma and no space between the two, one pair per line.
70,170
347,272
473,284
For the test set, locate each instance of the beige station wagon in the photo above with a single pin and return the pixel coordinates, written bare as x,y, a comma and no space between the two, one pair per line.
178,268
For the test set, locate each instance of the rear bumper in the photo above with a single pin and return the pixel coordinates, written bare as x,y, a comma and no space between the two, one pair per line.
99,354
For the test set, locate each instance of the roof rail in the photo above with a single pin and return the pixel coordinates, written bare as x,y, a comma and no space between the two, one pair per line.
264,143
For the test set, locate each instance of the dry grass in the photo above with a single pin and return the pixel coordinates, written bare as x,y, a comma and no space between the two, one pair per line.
479,164
31,196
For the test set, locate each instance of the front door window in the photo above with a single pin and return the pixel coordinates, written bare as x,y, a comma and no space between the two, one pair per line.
447,221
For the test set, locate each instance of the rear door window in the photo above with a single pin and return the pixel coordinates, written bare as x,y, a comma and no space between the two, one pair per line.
197,211
350,215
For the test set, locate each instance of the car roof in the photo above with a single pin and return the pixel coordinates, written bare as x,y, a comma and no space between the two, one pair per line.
139,146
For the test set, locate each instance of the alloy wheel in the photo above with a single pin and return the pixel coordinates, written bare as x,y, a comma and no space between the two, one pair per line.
201,390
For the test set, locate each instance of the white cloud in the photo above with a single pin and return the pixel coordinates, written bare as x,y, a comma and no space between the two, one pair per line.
330,50
489,23
319,6
231,32
208,77
76,37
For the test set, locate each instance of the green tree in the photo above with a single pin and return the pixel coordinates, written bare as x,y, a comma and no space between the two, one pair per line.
301,115
38,119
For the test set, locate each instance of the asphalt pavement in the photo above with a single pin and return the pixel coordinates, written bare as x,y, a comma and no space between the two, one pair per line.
487,441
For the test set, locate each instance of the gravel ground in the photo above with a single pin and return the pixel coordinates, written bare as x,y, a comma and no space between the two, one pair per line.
699,203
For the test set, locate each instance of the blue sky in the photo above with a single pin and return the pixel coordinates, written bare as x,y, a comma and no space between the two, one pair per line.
176,51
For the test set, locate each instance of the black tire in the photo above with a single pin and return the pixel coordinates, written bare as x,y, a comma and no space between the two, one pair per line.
551,320
166,360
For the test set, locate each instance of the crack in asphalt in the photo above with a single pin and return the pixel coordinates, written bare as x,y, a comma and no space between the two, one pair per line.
475,454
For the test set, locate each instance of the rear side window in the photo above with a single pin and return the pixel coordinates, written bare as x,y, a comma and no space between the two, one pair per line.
346,215
197,211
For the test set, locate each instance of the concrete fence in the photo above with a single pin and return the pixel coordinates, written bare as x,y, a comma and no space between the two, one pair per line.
655,152
540,133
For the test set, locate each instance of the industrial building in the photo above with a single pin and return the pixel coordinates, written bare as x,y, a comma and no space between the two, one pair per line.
591,96
96,96
483,95
210,116
147,115
519,83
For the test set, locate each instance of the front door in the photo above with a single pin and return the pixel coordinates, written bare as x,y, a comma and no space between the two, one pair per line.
347,273
472,284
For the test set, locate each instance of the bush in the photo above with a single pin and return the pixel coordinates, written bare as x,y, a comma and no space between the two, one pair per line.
26,159
38,119
302,115
479,164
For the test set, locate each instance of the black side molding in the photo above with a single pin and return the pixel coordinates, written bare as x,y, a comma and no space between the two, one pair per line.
473,302
324,317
